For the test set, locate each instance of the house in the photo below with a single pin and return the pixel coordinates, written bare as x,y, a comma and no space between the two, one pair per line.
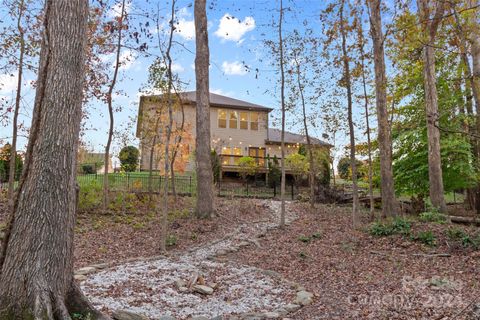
238,128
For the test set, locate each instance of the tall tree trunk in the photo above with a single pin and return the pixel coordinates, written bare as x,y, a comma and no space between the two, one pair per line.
389,203
13,150
110,107
205,197
348,85
475,83
367,120
177,145
473,195
311,174
36,262
282,97
168,134
431,101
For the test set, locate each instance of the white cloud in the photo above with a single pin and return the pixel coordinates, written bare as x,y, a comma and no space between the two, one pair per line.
127,59
233,29
116,9
185,29
8,83
177,67
234,68
222,93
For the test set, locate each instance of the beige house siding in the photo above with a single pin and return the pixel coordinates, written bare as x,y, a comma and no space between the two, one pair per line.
221,138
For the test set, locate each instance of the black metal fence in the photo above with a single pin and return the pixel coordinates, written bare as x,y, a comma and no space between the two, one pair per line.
255,189
139,182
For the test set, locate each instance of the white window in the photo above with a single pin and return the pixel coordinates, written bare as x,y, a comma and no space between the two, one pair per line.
253,120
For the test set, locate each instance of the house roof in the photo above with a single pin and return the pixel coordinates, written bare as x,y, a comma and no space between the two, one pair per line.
217,100
275,137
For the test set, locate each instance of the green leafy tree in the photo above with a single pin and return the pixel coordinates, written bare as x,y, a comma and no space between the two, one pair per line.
248,167
299,166
129,158
5,155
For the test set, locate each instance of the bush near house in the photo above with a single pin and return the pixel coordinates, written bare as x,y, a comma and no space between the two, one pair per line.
129,158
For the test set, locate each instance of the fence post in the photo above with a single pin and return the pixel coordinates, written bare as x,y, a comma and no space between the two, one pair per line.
274,189
292,191
128,182
191,191
247,187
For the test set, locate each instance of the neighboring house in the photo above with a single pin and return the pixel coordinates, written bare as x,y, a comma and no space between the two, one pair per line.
238,128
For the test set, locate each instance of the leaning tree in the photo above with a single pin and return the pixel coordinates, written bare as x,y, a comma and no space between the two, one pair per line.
36,261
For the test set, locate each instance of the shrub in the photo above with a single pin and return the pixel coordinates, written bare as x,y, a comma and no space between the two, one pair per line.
88,168
90,196
427,238
397,226
304,239
432,216
459,235
129,158
171,240
274,172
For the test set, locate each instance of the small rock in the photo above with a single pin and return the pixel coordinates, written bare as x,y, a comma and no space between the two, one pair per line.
100,266
303,298
244,244
80,277
291,307
127,315
2,235
183,289
271,315
221,252
179,283
85,270
200,318
166,318
202,289
213,285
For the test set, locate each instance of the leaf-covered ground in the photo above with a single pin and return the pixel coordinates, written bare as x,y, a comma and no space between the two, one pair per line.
353,274
358,276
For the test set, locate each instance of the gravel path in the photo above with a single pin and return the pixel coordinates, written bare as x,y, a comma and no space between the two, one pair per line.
150,286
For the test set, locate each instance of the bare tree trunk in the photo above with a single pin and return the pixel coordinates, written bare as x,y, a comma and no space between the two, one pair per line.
205,197
431,102
110,107
348,85
311,174
13,150
367,121
37,255
475,42
163,238
282,97
473,195
177,145
389,203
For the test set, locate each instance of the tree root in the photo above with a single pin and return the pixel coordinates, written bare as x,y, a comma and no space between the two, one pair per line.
76,302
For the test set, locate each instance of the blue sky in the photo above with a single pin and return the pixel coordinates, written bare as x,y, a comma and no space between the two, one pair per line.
237,30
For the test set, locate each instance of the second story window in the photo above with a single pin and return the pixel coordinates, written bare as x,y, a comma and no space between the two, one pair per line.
233,120
222,118
244,120
254,121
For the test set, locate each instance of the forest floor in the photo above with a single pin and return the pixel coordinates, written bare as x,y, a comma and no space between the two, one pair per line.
429,273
